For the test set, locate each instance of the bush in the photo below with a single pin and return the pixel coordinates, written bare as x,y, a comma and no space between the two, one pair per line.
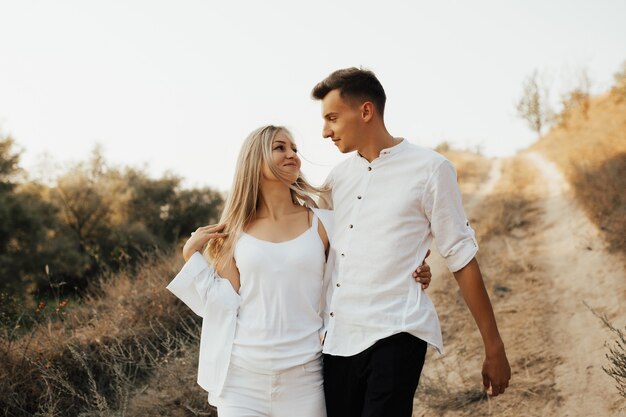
617,354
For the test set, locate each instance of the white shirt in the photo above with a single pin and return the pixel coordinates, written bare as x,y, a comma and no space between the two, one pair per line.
387,213
214,299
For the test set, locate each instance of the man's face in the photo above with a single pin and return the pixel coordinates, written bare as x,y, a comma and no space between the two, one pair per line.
342,121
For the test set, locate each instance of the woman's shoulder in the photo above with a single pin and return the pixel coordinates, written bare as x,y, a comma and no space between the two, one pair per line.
323,212
326,217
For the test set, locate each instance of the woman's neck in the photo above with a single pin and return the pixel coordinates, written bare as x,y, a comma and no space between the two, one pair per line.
274,200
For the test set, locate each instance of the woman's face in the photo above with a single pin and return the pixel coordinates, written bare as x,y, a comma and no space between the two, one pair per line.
285,159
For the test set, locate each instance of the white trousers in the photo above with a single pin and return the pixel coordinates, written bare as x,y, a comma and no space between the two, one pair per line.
295,392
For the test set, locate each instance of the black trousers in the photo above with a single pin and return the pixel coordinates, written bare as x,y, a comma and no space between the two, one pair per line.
378,382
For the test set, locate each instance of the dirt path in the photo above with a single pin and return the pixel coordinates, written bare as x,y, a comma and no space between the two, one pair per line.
486,187
571,252
540,269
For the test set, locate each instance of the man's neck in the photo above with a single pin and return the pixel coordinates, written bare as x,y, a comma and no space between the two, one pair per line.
376,142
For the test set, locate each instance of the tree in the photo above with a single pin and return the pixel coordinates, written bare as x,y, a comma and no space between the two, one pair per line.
81,198
25,220
93,201
9,162
150,201
534,105
192,209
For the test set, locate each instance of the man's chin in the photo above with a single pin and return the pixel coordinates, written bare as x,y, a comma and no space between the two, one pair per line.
343,149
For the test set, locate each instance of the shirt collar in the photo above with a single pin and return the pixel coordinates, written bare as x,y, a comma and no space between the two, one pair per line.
394,149
387,151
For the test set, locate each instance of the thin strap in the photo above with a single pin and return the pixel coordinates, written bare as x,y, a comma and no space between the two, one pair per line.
314,222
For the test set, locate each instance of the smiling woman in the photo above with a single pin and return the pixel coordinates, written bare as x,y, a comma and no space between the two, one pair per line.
261,174
262,286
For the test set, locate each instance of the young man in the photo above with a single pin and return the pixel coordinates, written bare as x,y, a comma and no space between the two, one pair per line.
391,199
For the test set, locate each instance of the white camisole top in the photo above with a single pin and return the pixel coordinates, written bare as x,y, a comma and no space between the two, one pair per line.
279,317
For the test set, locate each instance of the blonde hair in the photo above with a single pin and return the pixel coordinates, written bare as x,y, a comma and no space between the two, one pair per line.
241,204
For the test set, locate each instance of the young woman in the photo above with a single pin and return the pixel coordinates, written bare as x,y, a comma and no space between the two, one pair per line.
259,288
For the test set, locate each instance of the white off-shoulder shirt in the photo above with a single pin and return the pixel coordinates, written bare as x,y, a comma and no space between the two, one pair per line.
214,299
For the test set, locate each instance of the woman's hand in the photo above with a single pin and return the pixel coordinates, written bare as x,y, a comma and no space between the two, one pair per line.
200,237
422,273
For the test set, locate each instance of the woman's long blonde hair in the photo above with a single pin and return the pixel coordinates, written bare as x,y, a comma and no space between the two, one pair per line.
241,204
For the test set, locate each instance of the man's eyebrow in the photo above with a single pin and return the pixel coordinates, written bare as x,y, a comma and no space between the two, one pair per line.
279,141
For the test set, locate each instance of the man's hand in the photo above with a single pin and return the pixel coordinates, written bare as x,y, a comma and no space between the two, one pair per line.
422,273
200,237
496,372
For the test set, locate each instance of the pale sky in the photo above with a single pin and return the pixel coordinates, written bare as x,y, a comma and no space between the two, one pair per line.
177,85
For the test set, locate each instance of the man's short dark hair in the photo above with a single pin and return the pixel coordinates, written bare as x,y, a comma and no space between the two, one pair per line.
354,84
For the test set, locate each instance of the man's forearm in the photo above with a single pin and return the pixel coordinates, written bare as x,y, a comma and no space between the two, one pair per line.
475,295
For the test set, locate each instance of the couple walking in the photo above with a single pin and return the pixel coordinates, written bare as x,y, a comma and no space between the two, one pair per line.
309,312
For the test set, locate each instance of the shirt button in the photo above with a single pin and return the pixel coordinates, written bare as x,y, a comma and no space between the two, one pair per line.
338,284
351,226
369,168
358,196
332,314
343,254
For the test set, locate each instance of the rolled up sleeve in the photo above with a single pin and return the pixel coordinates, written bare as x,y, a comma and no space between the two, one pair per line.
454,237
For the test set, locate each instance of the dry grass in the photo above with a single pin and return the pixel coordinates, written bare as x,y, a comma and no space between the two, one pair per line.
591,151
172,390
99,356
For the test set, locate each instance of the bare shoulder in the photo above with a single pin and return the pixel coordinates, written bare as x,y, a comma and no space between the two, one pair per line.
231,273
324,226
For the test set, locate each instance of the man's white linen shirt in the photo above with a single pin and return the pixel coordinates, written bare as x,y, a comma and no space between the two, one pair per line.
387,213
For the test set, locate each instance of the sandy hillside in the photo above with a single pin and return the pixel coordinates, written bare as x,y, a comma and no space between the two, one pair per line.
543,262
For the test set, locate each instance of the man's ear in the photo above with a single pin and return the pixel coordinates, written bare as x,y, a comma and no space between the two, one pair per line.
367,111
